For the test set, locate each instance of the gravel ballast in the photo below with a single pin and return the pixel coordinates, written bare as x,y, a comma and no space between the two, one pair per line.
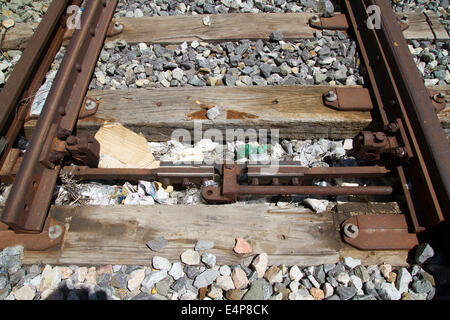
162,279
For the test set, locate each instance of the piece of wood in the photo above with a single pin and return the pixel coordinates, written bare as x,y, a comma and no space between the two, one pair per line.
237,26
123,148
297,111
117,235
233,26
437,27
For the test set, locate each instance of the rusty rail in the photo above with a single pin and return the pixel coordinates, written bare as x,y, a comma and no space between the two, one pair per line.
27,206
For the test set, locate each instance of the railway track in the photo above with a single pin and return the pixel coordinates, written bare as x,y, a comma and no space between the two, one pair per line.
396,123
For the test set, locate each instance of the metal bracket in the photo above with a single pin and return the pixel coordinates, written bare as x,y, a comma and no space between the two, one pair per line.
439,100
378,232
83,149
348,99
337,22
89,107
51,236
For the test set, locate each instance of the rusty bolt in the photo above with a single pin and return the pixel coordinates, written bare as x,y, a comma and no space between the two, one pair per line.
90,105
392,127
118,26
351,231
72,140
399,152
440,97
54,232
331,96
315,19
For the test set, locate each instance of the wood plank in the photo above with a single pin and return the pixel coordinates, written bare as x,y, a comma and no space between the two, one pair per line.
117,235
177,29
297,111
234,26
437,27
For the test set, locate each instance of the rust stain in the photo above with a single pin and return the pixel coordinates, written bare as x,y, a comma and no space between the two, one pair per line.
95,119
159,104
233,114
198,115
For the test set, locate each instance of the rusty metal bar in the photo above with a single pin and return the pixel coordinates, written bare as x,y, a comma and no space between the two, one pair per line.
175,173
318,173
27,205
29,61
313,190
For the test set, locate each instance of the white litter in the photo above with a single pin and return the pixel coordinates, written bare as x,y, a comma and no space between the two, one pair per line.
41,95
318,206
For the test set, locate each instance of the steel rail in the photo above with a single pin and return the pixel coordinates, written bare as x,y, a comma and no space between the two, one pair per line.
27,206
29,61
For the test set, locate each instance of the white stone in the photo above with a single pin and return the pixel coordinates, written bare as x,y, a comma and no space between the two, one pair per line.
135,280
177,74
215,292
225,282
351,263
154,277
161,263
176,271
260,264
52,278
348,144
300,295
328,290
357,283
295,273
389,292
194,44
294,286
190,257
25,293
189,295
403,280
342,278
143,47
225,270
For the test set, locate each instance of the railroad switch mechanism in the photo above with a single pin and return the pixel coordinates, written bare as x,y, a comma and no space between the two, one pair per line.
288,179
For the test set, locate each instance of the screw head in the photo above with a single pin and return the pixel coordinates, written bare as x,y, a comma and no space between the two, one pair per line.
331,96
54,232
350,230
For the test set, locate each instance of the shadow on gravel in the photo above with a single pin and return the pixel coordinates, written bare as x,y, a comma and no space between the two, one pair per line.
64,293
